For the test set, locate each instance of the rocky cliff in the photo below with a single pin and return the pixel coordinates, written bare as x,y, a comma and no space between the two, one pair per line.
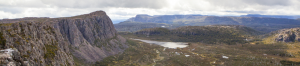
287,35
55,41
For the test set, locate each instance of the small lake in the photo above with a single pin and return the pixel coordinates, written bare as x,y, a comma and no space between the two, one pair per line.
173,45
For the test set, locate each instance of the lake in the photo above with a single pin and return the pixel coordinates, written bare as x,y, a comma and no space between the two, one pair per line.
173,45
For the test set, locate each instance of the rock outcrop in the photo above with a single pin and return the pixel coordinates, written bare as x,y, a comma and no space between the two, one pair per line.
288,35
55,41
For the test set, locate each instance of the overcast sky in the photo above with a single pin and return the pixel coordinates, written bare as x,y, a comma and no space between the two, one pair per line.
124,9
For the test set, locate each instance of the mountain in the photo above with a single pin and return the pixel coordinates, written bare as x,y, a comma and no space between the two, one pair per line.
66,41
212,34
273,16
135,26
263,24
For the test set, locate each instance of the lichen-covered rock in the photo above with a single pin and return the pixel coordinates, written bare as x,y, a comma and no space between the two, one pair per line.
54,41
288,35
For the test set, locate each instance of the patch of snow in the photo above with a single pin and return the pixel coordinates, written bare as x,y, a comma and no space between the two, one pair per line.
177,53
163,26
187,55
264,54
225,57
7,51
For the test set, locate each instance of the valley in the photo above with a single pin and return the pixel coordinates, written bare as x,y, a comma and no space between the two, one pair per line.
141,53
93,40
150,33
252,52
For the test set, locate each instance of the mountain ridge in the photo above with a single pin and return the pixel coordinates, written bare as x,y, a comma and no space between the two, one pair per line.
264,24
89,37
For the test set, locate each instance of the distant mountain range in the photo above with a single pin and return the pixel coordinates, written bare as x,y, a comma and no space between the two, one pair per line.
262,23
273,16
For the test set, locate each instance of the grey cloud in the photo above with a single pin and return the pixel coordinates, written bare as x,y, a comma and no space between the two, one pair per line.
248,12
22,3
13,10
270,2
239,3
155,4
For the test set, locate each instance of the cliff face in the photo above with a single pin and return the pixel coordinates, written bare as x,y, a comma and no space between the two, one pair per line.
93,36
54,41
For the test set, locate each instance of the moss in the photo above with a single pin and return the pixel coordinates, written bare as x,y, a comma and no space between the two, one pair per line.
78,62
28,52
6,24
25,56
9,30
289,63
12,35
2,40
50,51
35,60
49,29
11,46
17,42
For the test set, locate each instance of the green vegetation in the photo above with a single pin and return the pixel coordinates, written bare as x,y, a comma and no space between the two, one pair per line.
143,54
50,51
254,52
2,40
49,29
6,24
25,56
206,34
137,54
79,62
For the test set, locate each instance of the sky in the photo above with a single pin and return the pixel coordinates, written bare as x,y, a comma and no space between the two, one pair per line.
120,10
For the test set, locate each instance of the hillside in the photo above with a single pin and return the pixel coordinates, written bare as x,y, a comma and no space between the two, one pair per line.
284,35
213,34
66,41
136,26
264,24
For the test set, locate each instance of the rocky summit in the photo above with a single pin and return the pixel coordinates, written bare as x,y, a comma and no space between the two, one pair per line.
35,41
288,35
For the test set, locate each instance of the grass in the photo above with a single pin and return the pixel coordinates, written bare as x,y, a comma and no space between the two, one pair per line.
137,54
217,34
140,53
258,54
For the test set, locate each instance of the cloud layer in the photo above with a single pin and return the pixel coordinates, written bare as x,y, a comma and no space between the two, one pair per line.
124,9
